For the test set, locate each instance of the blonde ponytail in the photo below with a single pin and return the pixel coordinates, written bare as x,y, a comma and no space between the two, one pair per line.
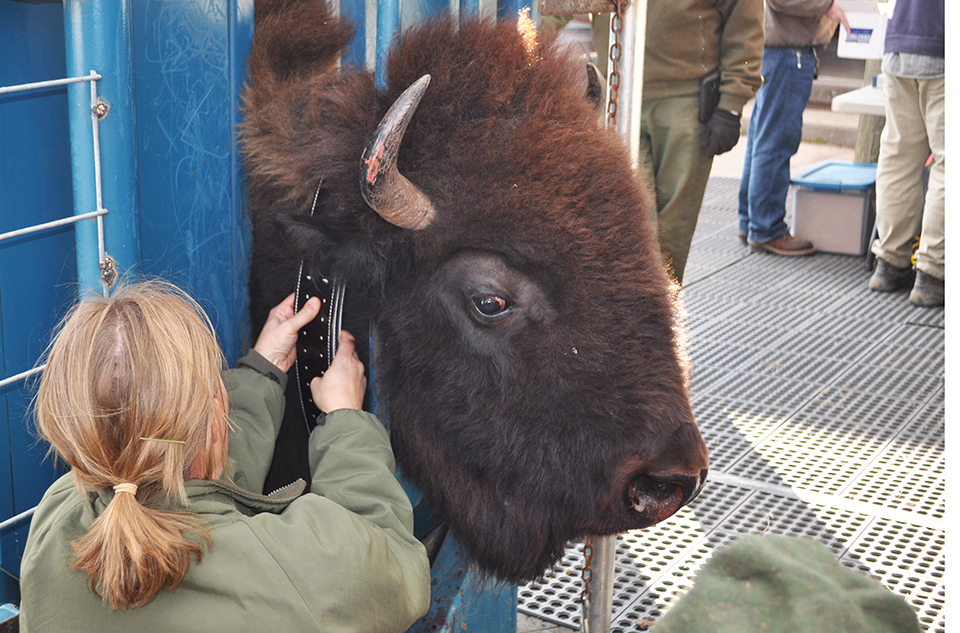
141,364
131,552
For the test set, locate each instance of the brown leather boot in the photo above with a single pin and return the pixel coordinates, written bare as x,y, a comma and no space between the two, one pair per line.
786,244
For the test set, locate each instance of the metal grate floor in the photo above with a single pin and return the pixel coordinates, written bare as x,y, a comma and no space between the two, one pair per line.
822,404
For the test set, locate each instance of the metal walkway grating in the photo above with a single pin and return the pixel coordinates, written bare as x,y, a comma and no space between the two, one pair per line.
822,404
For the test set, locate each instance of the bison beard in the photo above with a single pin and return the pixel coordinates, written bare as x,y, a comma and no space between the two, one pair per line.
528,353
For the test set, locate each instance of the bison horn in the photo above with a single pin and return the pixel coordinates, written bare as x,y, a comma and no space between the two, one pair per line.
386,190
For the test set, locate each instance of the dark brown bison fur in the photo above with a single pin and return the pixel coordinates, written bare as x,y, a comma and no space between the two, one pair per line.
524,431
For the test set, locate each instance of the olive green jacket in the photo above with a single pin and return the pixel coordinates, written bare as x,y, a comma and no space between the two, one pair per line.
688,39
341,558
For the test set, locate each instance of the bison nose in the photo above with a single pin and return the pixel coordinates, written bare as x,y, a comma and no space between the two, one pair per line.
662,494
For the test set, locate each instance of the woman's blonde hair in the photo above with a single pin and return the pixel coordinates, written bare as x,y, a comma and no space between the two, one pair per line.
132,394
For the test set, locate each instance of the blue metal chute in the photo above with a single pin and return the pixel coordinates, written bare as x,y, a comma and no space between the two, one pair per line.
170,180
37,270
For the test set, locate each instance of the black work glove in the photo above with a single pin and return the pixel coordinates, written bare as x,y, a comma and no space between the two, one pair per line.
721,132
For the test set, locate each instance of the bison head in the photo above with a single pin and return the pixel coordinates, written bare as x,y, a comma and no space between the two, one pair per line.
528,353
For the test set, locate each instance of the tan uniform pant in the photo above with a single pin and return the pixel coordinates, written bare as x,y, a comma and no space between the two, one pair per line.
671,155
914,129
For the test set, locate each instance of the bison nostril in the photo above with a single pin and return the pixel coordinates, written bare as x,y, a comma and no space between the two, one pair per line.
672,488
636,496
648,494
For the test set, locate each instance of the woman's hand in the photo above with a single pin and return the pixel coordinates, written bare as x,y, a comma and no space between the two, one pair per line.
343,385
278,337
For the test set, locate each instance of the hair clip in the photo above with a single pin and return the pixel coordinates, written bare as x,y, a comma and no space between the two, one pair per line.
157,439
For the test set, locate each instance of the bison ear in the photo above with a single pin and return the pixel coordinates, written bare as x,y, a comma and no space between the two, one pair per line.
311,235
596,86
326,226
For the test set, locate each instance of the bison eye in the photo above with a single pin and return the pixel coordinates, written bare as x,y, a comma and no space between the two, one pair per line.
490,305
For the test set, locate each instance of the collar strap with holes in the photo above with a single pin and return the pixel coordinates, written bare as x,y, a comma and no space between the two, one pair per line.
317,341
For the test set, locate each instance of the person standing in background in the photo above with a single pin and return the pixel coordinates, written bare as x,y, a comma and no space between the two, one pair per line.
794,29
913,82
694,48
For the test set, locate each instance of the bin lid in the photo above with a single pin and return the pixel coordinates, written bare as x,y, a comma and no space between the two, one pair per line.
837,175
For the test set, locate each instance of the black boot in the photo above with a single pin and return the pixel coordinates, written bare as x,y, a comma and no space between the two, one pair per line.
887,277
927,291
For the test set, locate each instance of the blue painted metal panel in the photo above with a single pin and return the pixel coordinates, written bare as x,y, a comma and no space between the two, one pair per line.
97,38
419,10
189,65
388,30
469,8
192,225
464,601
236,306
37,272
356,54
509,9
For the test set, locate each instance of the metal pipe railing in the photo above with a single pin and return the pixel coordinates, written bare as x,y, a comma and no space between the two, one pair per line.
36,228
97,111
17,518
631,76
36,85
97,215
22,376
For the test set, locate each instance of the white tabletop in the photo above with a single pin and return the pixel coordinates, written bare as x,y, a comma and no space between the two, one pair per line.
866,100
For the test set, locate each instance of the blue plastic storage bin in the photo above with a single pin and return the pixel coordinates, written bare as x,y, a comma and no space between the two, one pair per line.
834,206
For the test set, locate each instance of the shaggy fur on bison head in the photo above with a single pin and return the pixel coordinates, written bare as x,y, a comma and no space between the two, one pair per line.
528,350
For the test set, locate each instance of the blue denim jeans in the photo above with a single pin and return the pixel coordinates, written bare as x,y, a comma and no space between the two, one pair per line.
772,138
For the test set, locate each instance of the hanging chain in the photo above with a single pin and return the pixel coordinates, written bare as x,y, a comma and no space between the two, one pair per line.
616,49
587,596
